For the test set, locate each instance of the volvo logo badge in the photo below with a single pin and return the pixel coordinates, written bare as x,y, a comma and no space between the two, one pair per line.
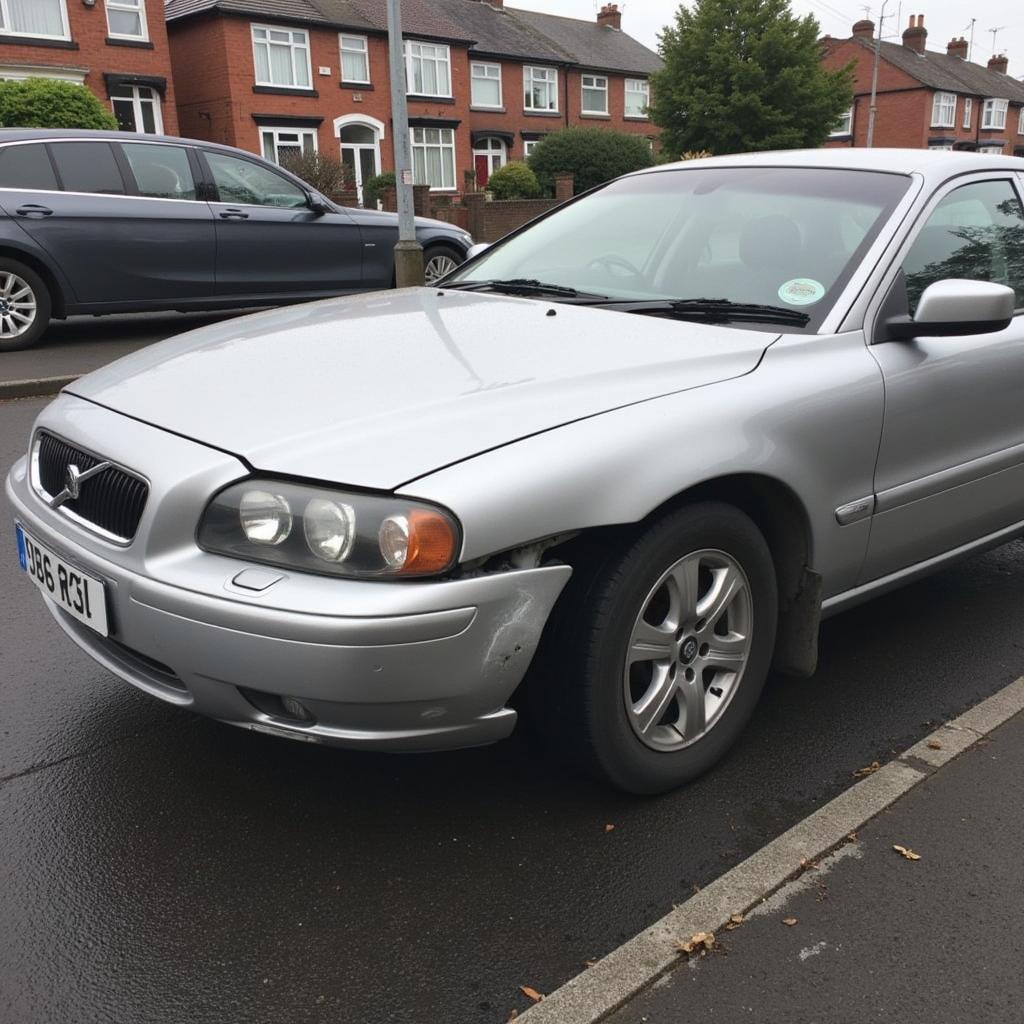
73,480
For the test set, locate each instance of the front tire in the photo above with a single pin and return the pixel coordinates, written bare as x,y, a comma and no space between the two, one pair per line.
657,658
439,261
25,306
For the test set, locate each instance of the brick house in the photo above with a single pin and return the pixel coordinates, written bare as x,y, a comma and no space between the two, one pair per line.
485,82
116,48
928,99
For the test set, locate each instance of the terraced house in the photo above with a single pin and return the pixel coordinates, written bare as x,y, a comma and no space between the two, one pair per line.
485,82
116,48
928,99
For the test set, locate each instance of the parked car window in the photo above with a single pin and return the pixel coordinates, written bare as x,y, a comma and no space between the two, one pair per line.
87,167
161,172
977,233
242,181
27,167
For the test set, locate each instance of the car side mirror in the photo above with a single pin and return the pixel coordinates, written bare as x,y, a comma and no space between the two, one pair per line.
475,250
317,205
955,308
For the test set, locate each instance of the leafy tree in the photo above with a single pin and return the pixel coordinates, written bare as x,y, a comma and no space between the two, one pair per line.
327,174
744,75
513,181
592,155
47,103
375,188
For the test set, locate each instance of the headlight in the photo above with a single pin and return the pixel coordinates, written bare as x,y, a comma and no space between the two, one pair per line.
316,529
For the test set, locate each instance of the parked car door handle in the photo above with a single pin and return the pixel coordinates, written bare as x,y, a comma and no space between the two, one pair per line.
34,210
234,215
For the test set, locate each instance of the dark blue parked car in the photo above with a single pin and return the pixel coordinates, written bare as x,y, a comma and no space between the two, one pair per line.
111,222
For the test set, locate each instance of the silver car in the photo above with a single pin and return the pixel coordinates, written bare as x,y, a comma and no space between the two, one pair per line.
607,474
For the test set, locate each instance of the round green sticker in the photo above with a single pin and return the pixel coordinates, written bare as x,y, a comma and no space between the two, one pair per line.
801,291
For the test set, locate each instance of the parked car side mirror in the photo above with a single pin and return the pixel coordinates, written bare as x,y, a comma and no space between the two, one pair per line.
475,250
955,308
317,205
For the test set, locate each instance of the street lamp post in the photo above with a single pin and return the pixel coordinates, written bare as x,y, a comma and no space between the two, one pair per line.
408,251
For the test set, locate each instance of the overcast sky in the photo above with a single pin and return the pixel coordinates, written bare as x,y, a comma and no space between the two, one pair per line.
944,19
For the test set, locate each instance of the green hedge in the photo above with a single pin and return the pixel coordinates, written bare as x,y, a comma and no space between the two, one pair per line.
47,103
592,155
513,181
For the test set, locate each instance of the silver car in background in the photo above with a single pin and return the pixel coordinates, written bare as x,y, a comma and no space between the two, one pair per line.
607,474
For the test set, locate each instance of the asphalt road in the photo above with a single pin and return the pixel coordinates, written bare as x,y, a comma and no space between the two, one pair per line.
158,867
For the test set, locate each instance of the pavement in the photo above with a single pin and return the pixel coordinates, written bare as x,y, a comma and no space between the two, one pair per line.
160,867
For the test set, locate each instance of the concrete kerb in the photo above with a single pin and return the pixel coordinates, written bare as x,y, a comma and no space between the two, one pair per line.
37,387
613,980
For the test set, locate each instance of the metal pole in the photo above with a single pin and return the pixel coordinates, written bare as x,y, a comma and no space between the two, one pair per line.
408,251
873,109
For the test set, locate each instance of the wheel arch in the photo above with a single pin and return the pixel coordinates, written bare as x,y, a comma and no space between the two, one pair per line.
44,270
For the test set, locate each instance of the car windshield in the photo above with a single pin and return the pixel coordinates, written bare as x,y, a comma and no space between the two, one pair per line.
773,237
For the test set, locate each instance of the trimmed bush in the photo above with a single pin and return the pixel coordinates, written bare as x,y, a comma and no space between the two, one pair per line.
327,174
513,181
374,188
592,155
47,103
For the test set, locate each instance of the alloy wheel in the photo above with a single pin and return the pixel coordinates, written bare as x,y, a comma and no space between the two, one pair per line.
438,267
17,305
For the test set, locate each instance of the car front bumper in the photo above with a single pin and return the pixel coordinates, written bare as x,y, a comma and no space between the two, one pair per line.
390,666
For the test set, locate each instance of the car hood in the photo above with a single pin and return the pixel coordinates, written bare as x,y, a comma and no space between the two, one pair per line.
378,389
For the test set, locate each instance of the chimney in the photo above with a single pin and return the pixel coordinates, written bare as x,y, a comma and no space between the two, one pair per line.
610,16
864,29
915,35
957,48
998,63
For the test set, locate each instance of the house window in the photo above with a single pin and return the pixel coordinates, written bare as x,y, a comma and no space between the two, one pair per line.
41,19
638,97
485,85
595,94
529,145
126,19
993,114
433,157
355,59
282,57
943,110
488,156
137,109
968,111
940,145
428,69
844,126
279,143
1020,122
540,88
991,150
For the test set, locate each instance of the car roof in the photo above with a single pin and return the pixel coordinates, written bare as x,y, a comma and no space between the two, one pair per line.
112,135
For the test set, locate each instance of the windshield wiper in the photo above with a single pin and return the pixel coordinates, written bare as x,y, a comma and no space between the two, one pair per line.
712,311
523,286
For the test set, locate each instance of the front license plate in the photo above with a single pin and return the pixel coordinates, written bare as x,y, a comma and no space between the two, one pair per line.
82,596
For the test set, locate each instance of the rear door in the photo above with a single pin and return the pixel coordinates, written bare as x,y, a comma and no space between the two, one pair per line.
118,239
269,241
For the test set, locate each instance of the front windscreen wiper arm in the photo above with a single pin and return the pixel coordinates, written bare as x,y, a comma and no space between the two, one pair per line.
712,310
523,286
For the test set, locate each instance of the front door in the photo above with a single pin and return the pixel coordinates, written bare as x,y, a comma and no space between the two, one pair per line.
360,153
488,156
951,461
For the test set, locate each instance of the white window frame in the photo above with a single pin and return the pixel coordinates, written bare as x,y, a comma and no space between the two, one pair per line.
944,110
642,87
129,7
993,114
292,45
364,51
1020,122
445,147
489,151
547,75
990,150
276,131
474,77
529,145
593,87
968,111
8,30
944,146
445,62
844,126
136,98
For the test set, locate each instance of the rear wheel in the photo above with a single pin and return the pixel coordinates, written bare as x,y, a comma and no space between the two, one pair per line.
25,306
656,660
439,261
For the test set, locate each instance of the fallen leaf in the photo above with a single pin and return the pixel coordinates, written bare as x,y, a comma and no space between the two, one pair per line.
870,769
589,963
789,921
909,854
609,828
531,993
512,1016
852,836
734,922
934,745
808,865
699,943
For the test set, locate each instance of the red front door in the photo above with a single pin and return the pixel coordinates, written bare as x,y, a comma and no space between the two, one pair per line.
483,171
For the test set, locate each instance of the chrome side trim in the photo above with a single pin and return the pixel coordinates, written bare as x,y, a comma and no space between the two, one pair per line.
855,511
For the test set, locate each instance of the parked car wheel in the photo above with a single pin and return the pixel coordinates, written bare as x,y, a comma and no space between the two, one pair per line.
24,306
440,261
657,660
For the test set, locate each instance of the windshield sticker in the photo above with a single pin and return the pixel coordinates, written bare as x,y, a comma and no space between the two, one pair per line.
801,291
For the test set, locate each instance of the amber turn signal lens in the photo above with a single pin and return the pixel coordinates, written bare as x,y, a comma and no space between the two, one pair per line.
431,543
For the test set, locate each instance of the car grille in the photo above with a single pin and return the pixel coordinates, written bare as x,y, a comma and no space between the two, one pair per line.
112,501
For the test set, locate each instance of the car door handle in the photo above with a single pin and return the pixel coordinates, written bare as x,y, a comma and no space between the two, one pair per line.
34,210
234,215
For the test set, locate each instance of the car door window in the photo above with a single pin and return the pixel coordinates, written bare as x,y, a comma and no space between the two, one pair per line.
87,167
976,232
160,172
27,167
242,181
